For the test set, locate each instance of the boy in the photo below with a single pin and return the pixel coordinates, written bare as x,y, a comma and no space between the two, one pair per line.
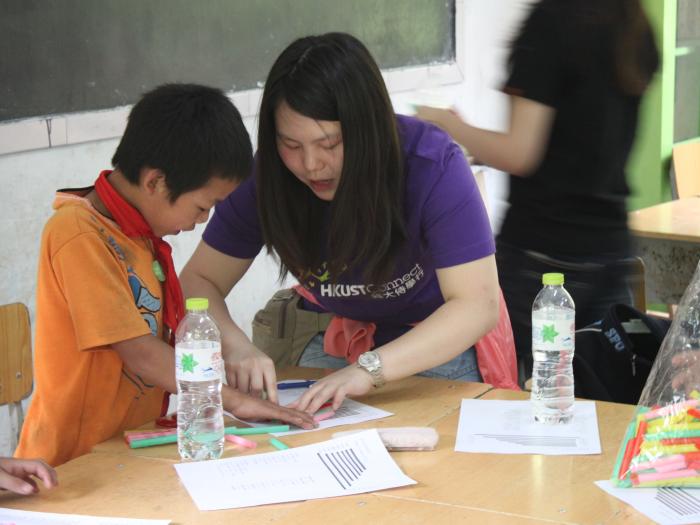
107,285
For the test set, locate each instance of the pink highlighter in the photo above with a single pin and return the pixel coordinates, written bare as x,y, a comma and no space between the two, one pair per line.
324,415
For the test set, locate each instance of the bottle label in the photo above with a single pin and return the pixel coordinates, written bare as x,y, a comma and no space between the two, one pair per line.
553,334
199,361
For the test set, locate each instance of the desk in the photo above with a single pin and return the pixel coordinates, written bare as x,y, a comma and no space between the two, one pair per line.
668,237
414,401
452,487
555,489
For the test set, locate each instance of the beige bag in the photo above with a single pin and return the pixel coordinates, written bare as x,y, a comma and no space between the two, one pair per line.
282,330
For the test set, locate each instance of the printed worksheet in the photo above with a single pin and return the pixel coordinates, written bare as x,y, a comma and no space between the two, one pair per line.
664,505
507,427
350,411
349,465
23,517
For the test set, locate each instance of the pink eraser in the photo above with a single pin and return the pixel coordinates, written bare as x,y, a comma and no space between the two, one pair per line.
403,438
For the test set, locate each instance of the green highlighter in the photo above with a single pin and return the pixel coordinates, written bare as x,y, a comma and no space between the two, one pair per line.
164,440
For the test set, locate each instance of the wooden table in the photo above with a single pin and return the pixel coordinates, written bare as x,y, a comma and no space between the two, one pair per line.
555,489
668,237
452,487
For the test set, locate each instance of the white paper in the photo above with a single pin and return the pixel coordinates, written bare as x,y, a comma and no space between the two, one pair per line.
350,412
338,467
664,505
23,517
507,427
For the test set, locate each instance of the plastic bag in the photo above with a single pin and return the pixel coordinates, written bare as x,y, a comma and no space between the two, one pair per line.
661,447
495,352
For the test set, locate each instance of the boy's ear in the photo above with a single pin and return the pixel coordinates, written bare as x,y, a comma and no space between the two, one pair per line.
153,181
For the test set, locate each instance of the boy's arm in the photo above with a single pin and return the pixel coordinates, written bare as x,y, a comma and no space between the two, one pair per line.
154,361
212,274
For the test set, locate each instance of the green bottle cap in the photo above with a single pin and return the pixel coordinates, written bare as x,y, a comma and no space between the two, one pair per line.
197,303
553,278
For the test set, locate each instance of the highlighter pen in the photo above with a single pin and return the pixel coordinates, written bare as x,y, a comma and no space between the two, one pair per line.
295,384
671,410
238,440
162,440
676,427
278,444
130,436
150,442
323,416
672,434
256,430
646,465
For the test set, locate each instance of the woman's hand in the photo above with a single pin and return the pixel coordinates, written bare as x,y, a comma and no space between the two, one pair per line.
348,381
17,475
247,407
438,116
250,371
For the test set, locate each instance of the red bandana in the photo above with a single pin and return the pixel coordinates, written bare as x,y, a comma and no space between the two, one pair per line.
133,224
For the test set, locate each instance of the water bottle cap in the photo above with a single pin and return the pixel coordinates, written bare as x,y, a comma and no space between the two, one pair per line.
197,303
553,278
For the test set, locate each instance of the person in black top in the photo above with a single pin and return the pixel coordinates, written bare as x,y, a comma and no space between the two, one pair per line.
578,69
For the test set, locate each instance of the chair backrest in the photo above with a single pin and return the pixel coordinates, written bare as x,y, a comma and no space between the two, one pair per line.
481,183
637,284
685,170
15,353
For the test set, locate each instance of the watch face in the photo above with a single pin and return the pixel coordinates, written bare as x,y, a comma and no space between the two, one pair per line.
368,359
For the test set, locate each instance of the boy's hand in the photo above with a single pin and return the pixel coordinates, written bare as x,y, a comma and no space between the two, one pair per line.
247,407
251,371
17,475
350,380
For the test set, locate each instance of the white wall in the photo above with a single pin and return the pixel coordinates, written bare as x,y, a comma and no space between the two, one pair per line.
31,178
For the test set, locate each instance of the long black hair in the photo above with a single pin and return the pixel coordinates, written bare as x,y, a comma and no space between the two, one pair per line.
636,54
333,77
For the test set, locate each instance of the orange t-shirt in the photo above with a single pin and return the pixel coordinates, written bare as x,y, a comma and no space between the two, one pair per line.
96,287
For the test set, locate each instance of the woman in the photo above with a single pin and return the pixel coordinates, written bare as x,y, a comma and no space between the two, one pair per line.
378,217
578,69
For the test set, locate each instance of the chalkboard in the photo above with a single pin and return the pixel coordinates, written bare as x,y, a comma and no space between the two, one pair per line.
64,56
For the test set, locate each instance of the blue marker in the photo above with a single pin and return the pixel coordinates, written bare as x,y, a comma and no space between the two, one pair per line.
295,384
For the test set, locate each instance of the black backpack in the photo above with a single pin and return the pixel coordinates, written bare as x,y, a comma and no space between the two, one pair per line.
614,356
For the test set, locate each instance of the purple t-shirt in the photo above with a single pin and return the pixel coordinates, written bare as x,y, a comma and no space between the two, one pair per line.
446,222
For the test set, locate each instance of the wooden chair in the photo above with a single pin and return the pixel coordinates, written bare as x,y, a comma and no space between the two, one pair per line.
685,179
685,170
15,363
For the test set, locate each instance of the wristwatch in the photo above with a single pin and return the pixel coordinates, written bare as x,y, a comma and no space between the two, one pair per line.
372,363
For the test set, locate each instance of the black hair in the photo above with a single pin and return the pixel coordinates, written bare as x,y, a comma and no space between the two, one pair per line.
190,132
333,77
636,54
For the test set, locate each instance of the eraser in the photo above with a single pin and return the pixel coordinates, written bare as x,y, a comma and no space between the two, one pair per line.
403,438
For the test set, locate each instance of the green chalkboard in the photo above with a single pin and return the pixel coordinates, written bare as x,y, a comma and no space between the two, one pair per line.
64,56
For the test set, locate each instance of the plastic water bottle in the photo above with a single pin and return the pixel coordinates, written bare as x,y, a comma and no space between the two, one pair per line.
553,326
199,370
